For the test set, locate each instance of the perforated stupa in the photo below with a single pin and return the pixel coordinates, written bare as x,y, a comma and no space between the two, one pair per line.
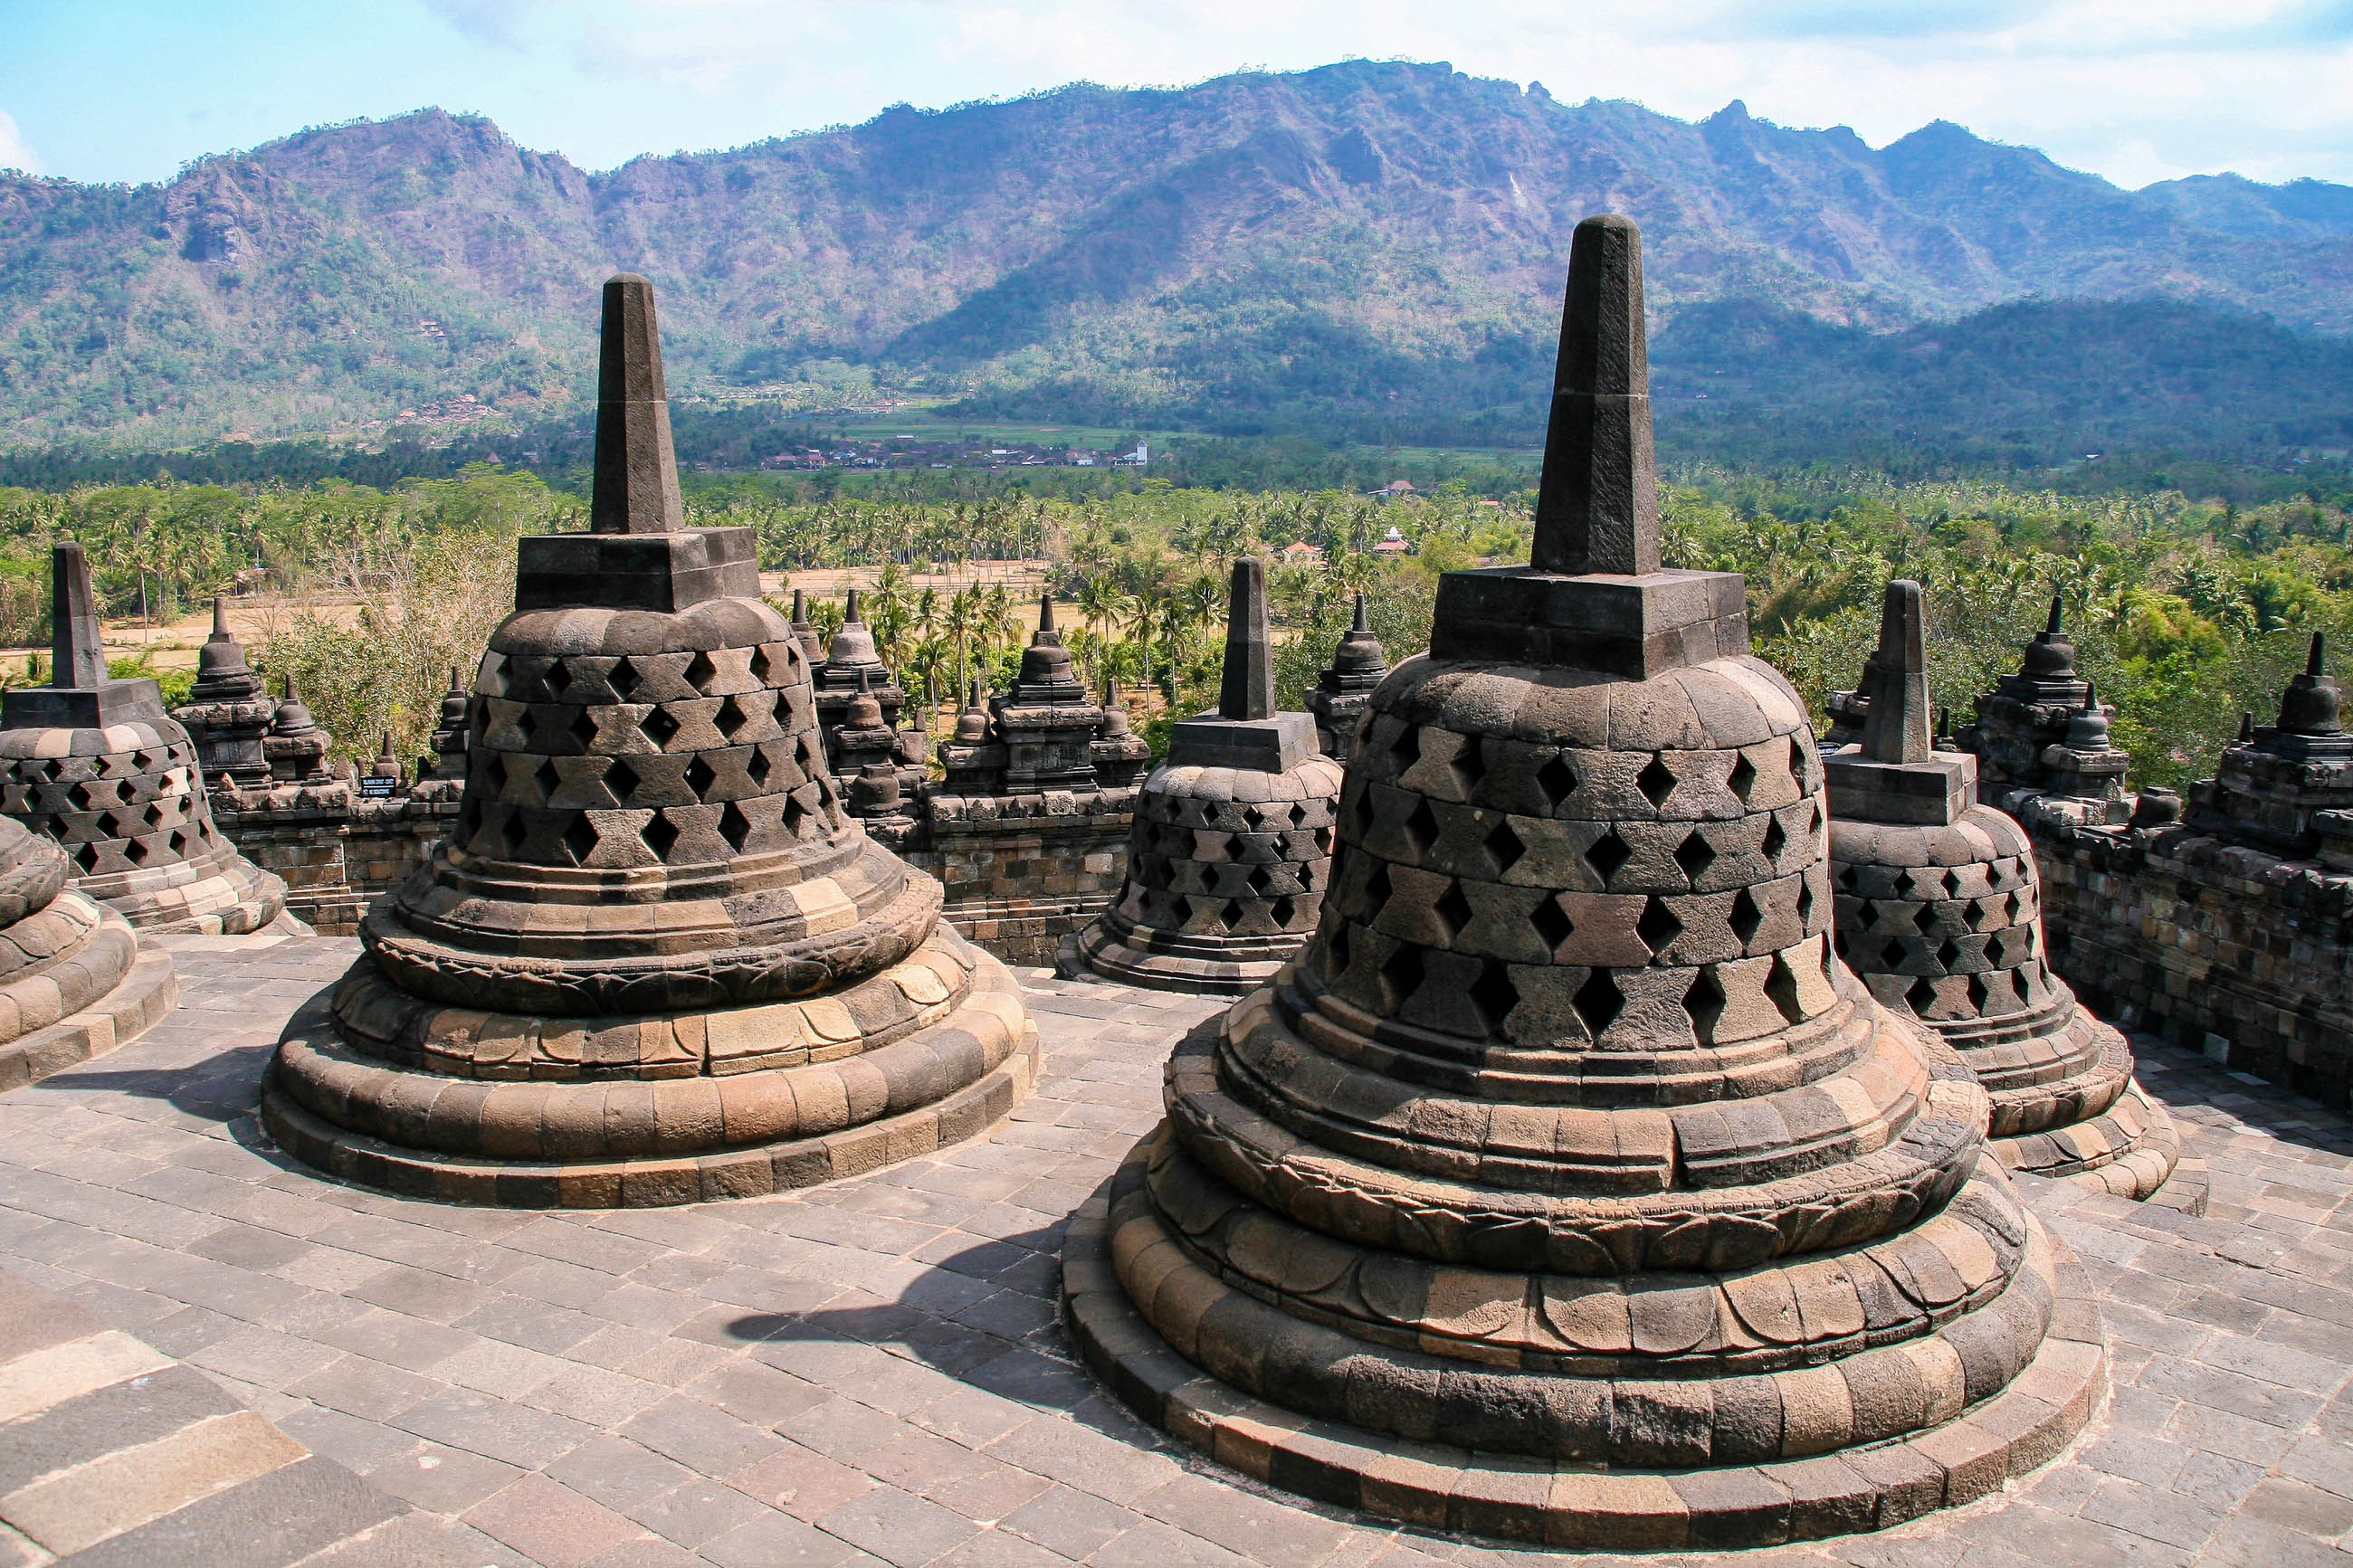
1232,850
97,764
1940,913
1567,1186
655,961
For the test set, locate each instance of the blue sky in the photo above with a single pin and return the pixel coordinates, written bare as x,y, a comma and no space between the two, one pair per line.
2133,90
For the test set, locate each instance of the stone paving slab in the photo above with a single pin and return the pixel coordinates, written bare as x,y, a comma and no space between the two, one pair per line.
875,1371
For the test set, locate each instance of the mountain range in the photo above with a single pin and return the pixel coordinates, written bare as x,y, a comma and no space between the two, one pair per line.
1365,248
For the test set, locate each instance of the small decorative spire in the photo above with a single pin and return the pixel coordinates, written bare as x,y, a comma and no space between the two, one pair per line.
2312,704
2053,627
1045,613
850,610
2246,729
636,485
1597,503
1247,689
1896,681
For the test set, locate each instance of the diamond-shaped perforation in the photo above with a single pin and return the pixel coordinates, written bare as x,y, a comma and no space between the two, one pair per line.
512,832
1421,828
1366,813
1469,764
1453,910
756,767
1405,750
700,671
494,771
795,815
1551,924
1949,956
1745,919
179,842
1743,778
1283,909
763,666
79,795
134,851
620,781
1377,893
526,726
1598,1002
1704,1002
1923,919
1781,987
735,826
582,729
1493,996
1606,855
1776,840
557,681
1656,781
1401,976
659,726
1558,780
1335,949
1921,996
547,778
1695,854
1981,992
624,680
1258,879
580,838
1658,927
700,777
1806,904
1504,847
1891,956
732,718
661,835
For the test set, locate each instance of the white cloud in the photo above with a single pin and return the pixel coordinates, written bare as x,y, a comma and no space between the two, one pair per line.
15,152
2130,89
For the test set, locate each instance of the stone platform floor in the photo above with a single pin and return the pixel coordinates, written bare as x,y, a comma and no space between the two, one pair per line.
874,1372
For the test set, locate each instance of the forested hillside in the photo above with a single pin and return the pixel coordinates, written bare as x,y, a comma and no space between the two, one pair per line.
1365,249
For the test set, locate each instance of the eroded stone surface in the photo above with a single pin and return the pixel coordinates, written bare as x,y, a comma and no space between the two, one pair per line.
876,1366
655,961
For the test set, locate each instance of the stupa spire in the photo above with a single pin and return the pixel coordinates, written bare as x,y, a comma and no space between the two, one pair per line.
635,486
1248,692
76,651
1598,504
1897,729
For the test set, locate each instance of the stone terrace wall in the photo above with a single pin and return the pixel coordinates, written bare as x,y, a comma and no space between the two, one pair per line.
337,859
1022,871
2222,949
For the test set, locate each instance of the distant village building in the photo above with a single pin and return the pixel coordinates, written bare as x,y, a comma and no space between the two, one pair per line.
1301,553
1392,544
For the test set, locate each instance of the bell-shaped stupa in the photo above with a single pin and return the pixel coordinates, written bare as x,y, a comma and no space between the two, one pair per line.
98,765
1232,850
1567,1186
74,982
655,961
1939,910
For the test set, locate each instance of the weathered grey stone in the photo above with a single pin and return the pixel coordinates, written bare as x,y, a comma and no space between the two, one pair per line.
1939,910
1568,1138
100,768
655,961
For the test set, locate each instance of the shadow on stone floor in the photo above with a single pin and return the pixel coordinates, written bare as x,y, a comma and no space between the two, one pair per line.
225,1087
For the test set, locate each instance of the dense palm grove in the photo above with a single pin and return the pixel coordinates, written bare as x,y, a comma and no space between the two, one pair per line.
2186,612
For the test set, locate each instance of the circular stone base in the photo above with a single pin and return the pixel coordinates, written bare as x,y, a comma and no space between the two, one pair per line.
1096,950
643,1158
140,1000
2132,1150
233,897
748,1173
1562,1505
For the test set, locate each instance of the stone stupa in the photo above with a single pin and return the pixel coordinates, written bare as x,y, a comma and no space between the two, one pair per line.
1568,1187
1342,692
1231,849
98,765
654,962
1939,910
74,982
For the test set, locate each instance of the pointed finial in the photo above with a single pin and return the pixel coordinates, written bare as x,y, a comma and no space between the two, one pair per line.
2091,696
800,607
2053,627
1896,681
1362,623
2246,728
290,686
865,682
220,618
850,610
1045,612
1248,691
2312,664
636,485
77,653
1597,503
